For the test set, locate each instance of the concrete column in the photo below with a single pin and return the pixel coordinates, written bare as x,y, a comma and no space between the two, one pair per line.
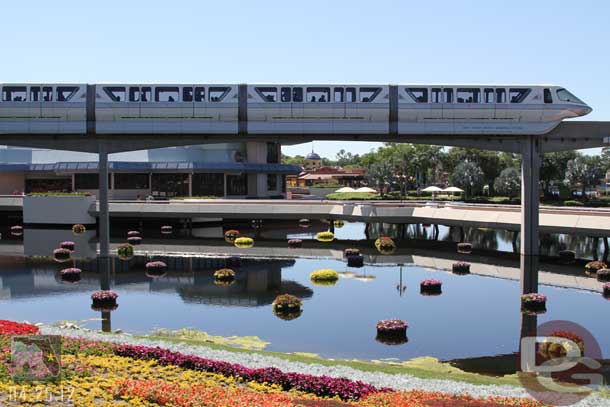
104,219
73,183
530,246
190,184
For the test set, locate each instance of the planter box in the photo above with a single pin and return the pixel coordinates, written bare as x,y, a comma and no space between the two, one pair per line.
58,210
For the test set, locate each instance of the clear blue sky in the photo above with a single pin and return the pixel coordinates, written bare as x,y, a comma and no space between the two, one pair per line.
381,41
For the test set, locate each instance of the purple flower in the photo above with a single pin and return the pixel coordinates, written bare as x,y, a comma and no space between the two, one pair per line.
431,283
104,295
533,298
68,271
155,265
390,325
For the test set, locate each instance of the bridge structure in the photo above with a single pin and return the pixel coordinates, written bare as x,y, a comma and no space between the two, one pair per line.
565,136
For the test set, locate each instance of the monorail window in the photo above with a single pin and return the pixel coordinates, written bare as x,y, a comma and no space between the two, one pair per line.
199,94
65,93
187,94
488,95
34,93
338,95
350,95
468,95
134,94
318,95
268,94
448,95
14,94
369,94
285,94
47,94
566,96
517,95
436,95
500,95
146,94
218,93
297,95
166,94
548,98
116,93
420,95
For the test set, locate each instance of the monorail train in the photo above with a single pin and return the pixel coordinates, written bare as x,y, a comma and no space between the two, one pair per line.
284,109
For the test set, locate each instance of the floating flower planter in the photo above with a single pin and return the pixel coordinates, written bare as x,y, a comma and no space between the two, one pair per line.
592,267
125,251
70,275
61,254
244,242
431,287
133,233
68,245
304,223
134,240
385,245
105,299
106,308
231,235
533,303
567,256
167,230
607,290
603,275
295,243
17,230
355,260
392,331
287,307
554,350
224,277
78,229
155,269
464,248
324,277
233,262
325,237
461,268
339,224
351,252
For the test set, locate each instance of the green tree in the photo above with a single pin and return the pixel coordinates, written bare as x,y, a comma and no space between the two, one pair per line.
584,171
296,160
488,162
553,169
508,182
381,174
468,176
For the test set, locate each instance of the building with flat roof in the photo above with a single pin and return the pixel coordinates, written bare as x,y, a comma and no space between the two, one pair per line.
228,170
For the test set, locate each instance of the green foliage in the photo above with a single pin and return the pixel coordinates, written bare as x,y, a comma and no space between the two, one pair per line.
349,196
468,176
324,275
192,335
584,171
508,182
42,194
573,203
553,168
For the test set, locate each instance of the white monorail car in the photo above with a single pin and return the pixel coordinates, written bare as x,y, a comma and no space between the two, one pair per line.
285,109
43,108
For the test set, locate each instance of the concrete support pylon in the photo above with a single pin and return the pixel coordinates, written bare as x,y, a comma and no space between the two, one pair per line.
104,219
530,246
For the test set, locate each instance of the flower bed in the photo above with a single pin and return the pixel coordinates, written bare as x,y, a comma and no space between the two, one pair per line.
244,242
295,243
62,254
553,350
592,267
567,256
464,248
461,267
603,275
356,260
125,251
167,230
133,233
533,302
68,245
17,328
224,276
286,304
324,277
134,240
155,269
431,287
78,229
71,274
104,298
351,252
385,245
325,237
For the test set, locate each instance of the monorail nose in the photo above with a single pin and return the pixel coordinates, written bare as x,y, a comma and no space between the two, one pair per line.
581,110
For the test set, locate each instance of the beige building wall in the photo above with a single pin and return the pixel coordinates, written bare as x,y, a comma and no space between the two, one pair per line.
11,182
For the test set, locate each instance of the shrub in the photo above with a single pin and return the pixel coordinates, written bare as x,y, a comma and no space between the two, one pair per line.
224,275
78,229
287,303
134,240
603,274
385,245
356,260
592,267
68,245
464,248
431,287
125,251
573,203
322,276
325,237
244,242
461,267
62,254
295,243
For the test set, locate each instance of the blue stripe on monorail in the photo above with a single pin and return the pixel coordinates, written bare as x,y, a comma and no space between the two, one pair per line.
180,166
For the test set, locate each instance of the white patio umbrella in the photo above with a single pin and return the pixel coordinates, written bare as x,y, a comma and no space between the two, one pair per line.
345,189
432,189
452,190
366,189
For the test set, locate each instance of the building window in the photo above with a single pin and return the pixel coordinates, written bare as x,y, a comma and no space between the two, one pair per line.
318,95
273,155
131,181
271,182
237,184
48,185
208,184
166,94
170,185
268,94
517,95
420,95
468,95
87,181
14,94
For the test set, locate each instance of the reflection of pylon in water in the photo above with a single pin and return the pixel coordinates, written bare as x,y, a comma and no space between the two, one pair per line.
400,287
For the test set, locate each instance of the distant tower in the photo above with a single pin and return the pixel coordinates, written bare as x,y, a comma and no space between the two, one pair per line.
312,162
